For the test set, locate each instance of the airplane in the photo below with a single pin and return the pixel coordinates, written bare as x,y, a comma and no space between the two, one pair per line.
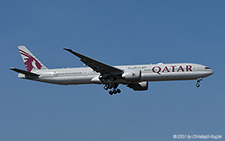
135,77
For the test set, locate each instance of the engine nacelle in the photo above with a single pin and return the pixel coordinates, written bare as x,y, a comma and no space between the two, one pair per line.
133,76
141,86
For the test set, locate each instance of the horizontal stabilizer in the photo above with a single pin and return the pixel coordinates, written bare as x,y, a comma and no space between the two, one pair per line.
24,72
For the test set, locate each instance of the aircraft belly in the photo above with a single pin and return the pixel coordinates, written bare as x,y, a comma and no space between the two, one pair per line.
171,76
68,80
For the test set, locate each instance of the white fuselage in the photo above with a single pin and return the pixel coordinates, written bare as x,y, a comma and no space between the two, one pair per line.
153,72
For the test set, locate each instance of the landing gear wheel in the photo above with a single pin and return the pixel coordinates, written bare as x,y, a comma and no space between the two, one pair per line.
111,92
106,87
114,91
110,86
197,85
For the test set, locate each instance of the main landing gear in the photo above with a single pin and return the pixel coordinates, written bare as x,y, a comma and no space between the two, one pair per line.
114,87
198,81
110,83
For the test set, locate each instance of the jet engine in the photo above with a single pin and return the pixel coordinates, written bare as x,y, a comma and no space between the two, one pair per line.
133,76
141,86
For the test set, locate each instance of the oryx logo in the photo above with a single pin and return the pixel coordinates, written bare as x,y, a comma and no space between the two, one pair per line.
30,62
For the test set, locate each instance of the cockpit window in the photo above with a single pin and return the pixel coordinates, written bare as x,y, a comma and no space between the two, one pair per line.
207,68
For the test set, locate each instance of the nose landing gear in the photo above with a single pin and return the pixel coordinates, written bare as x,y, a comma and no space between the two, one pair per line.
197,85
198,81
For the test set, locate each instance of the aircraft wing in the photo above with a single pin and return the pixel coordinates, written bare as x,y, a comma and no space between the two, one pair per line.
96,65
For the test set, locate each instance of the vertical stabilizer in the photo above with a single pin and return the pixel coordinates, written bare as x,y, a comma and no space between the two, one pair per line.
30,61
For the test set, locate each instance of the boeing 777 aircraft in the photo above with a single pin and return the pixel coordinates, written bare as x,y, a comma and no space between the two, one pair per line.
135,77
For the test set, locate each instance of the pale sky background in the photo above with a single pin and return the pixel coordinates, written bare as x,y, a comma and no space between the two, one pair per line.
118,32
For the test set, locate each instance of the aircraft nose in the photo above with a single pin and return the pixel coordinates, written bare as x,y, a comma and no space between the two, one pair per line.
208,70
211,72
